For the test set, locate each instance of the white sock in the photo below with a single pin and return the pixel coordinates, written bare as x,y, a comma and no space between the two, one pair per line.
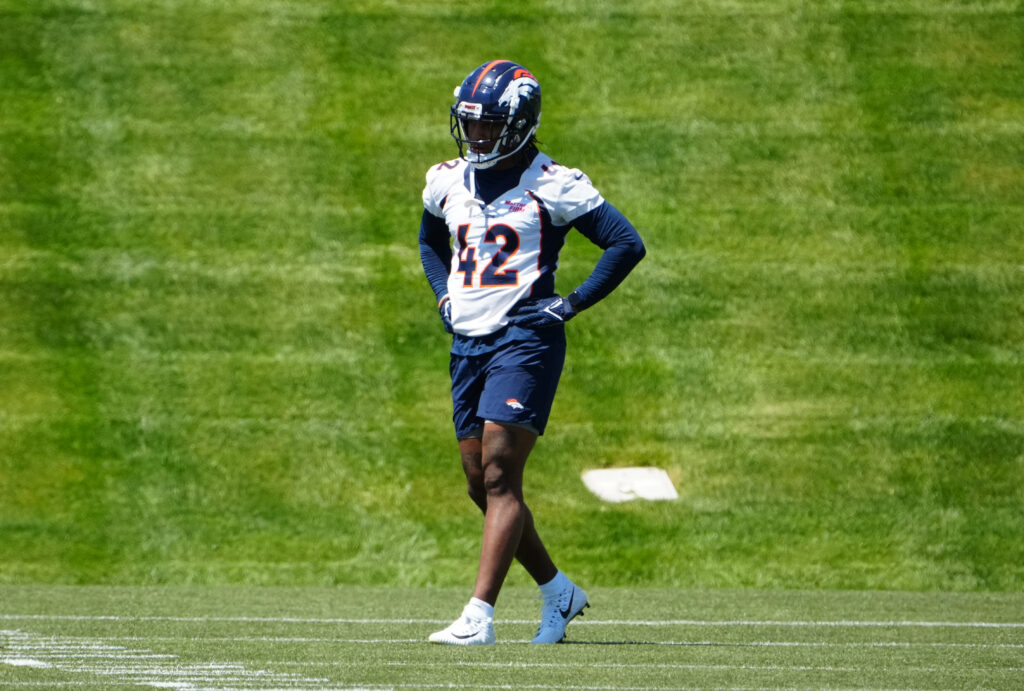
555,586
480,609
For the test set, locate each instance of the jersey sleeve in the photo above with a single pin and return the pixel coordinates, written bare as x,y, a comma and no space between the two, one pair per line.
438,181
435,252
434,239
430,201
576,196
607,228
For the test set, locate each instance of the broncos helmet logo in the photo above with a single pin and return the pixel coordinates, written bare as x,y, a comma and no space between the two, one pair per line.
522,87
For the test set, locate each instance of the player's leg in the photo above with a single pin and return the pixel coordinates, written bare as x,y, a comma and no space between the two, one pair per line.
476,624
471,453
505,449
531,552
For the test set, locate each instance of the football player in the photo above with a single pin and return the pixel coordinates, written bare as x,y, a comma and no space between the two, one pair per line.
494,222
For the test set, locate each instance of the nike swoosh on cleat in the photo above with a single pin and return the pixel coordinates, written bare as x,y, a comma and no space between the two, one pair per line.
565,612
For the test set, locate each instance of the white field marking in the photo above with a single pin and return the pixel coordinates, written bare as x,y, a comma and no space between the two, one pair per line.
496,687
102,684
643,665
24,662
647,665
601,622
813,624
392,687
505,641
556,665
140,667
565,687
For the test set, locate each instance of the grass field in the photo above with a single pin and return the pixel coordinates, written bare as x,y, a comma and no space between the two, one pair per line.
220,363
219,639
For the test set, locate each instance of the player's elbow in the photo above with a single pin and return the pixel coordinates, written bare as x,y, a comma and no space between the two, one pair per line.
635,250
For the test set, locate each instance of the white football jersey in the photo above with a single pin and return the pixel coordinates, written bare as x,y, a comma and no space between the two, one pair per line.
501,250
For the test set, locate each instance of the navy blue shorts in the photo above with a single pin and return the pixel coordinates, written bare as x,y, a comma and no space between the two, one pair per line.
514,383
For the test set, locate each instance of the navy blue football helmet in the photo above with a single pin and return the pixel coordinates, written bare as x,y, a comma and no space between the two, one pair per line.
505,94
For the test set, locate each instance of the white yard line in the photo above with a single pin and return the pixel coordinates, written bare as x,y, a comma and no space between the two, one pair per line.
579,622
339,640
495,687
505,641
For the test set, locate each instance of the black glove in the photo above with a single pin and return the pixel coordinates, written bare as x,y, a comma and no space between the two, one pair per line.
538,314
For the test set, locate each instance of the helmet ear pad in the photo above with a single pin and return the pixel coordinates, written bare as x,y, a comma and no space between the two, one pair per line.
518,130
514,137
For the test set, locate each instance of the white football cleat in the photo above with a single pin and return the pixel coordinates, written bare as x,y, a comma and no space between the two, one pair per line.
469,629
558,612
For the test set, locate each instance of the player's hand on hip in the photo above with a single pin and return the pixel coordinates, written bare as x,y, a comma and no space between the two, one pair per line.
445,309
541,313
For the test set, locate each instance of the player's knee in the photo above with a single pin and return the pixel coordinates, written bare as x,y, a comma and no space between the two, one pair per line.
478,494
474,472
496,485
502,466
499,484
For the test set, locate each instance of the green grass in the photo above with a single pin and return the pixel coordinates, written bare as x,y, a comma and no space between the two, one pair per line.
348,638
220,363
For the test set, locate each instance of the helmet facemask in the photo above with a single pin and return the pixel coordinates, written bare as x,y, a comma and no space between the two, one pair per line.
479,152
